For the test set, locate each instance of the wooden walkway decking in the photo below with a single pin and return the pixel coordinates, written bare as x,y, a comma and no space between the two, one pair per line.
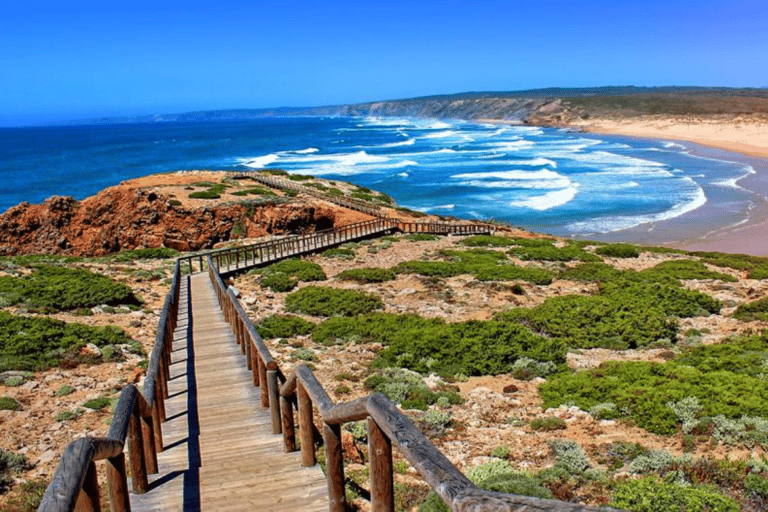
219,452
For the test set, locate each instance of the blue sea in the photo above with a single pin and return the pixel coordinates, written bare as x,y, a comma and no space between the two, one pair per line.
548,180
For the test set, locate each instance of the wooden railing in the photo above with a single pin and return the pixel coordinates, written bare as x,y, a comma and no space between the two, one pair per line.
241,258
138,418
286,184
387,428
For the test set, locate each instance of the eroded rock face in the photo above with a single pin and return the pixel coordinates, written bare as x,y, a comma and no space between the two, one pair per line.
121,217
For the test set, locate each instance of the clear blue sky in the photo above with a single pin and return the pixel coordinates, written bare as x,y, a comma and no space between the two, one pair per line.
65,60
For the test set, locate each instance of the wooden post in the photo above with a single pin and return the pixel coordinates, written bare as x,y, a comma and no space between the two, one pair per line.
136,452
148,445
289,433
119,500
274,400
334,468
380,453
248,352
255,362
156,423
306,426
88,499
263,385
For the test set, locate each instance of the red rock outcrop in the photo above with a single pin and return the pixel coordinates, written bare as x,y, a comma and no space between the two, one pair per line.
125,217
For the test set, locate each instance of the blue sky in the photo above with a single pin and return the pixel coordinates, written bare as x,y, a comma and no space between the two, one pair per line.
74,60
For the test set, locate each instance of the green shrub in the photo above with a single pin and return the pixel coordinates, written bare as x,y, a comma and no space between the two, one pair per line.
757,485
37,343
526,368
620,453
367,275
756,266
551,253
402,387
8,403
591,272
11,464
13,381
57,289
302,270
501,452
284,326
547,424
304,354
434,423
655,495
98,403
68,415
254,191
741,355
642,390
368,328
340,252
429,268
214,192
278,282
65,390
487,241
618,251
533,242
324,301
512,272
469,348
570,456
421,237
153,253
755,310
496,476
686,269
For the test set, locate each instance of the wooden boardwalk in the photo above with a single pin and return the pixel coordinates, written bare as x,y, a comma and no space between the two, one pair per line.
219,452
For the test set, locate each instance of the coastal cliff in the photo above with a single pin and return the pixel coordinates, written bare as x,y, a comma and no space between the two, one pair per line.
157,211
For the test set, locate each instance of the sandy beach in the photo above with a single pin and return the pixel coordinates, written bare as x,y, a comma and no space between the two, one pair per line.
739,139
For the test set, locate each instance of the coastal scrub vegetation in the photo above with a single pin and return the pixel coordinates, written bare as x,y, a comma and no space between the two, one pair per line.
569,252
284,326
325,301
283,276
37,343
755,310
49,288
367,275
755,266
213,191
151,253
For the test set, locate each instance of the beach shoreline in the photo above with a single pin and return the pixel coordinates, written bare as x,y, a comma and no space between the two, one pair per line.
737,141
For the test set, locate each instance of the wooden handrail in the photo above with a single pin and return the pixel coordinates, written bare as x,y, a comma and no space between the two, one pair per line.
387,428
137,417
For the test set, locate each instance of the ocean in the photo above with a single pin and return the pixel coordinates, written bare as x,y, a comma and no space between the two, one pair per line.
544,179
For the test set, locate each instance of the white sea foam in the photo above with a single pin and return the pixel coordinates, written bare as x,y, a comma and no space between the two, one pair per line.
442,134
536,162
441,207
306,151
517,184
544,174
669,144
403,174
407,142
258,162
607,224
547,201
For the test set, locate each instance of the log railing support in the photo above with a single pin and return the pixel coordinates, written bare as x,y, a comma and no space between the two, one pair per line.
88,500
334,467
118,484
306,426
380,454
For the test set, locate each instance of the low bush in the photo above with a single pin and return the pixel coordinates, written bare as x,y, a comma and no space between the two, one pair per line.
618,454
339,252
213,192
8,403
421,237
591,272
547,424
686,269
512,272
38,343
496,476
302,270
254,191
755,310
655,495
51,288
618,251
278,282
11,464
643,390
434,423
756,266
284,326
99,403
325,301
570,456
367,275
569,252
745,355
487,241
429,268
533,242
407,388
26,497
368,328
469,348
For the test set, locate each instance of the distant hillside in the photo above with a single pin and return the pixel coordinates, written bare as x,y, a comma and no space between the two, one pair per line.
550,106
